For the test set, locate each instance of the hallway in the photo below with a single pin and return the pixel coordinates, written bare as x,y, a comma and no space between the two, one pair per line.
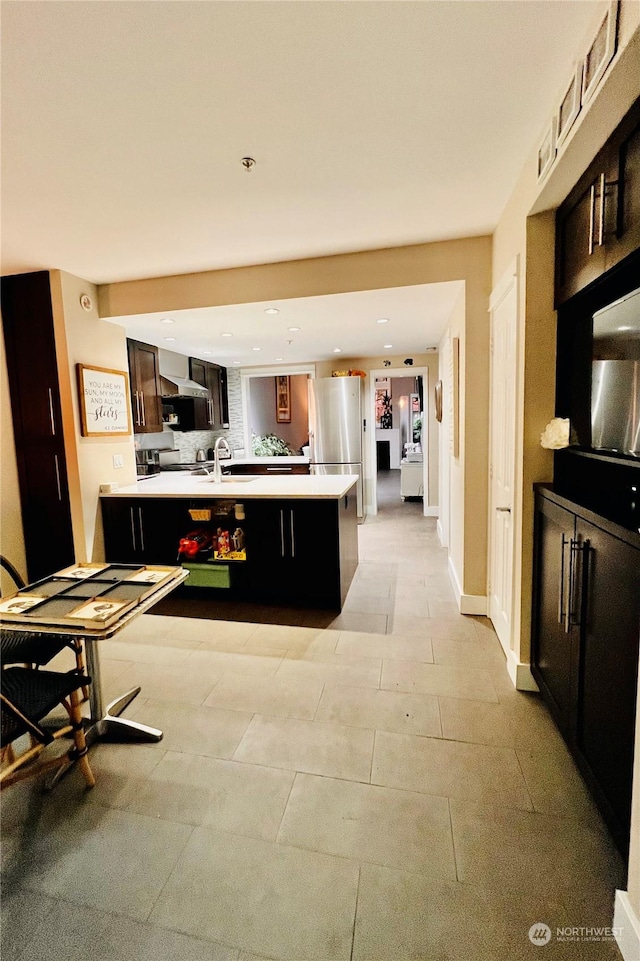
333,794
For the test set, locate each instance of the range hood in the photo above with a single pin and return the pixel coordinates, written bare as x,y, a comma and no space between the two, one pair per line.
173,386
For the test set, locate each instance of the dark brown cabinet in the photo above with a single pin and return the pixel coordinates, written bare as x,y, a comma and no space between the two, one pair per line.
279,469
37,422
302,552
598,224
214,378
144,378
586,643
145,530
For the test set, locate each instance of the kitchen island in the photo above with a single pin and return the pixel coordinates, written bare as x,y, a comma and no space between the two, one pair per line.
296,534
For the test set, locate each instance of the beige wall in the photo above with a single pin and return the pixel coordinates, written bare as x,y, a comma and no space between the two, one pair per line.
95,342
11,538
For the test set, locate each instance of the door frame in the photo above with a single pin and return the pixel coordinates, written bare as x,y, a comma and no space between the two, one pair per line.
509,282
371,475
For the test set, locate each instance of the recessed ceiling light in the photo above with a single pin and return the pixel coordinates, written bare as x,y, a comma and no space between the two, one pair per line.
236,363
383,320
293,328
624,328
256,348
207,352
167,320
388,346
169,338
337,350
226,333
272,310
278,359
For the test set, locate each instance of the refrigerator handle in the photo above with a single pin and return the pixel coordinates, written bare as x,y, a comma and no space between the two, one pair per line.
312,447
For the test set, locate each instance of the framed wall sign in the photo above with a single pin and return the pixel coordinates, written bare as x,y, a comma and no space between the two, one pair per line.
569,105
601,51
547,150
283,399
104,401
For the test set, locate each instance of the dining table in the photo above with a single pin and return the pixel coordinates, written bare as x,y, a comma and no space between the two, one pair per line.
154,583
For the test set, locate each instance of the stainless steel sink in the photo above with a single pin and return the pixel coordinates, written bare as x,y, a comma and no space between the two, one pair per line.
231,479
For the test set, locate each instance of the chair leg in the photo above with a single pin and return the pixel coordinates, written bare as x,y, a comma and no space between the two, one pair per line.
80,664
80,751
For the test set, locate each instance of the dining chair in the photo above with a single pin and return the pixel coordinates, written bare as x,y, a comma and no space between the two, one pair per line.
36,648
26,697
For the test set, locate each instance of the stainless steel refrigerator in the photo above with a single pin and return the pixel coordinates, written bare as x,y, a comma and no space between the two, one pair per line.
336,429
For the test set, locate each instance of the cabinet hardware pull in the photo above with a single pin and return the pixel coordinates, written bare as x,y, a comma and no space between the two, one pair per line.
279,469
133,529
138,409
505,510
281,532
293,539
53,422
144,419
141,528
55,458
592,215
573,615
569,589
602,202
561,584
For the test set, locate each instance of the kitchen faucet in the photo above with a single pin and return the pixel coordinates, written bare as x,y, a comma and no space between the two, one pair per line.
217,470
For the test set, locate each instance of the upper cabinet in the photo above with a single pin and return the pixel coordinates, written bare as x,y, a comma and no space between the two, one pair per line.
214,378
598,224
144,375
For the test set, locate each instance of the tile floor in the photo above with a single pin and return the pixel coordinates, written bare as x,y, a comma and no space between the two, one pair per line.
372,790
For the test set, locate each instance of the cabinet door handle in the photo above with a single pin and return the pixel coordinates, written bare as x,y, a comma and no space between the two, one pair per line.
53,421
592,216
279,470
603,187
281,532
293,539
577,550
144,419
568,590
141,528
561,585
133,528
137,393
55,460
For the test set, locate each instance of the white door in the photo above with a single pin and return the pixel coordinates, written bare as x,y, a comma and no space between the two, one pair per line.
504,319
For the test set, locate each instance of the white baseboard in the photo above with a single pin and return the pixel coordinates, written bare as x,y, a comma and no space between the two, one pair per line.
626,926
440,533
433,511
467,603
473,604
520,674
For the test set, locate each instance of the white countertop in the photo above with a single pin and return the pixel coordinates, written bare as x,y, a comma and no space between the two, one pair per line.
240,486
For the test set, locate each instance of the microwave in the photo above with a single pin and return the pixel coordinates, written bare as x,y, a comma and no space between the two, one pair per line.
615,377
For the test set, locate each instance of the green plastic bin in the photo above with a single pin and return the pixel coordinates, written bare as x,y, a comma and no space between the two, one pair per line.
207,575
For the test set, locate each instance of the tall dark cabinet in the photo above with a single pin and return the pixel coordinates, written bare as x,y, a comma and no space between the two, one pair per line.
214,378
32,365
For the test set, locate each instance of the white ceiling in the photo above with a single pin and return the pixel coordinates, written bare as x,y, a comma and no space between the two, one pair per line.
372,124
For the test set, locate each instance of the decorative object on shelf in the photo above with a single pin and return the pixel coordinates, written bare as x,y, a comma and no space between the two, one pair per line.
438,401
103,396
283,399
85,302
569,105
555,436
547,150
601,51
